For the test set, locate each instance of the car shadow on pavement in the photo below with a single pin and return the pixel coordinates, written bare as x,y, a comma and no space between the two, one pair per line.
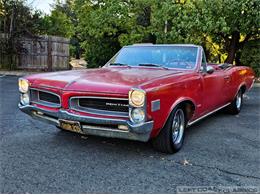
103,143
117,146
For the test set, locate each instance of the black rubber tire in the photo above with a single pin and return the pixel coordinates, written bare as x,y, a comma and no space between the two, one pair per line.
233,108
164,141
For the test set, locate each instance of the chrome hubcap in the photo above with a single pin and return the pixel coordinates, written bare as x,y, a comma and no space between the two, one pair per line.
178,126
239,100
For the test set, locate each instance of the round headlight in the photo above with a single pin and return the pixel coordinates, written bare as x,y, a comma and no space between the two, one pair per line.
137,98
137,115
25,100
23,85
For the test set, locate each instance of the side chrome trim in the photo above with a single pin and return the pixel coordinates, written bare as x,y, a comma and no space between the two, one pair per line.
204,116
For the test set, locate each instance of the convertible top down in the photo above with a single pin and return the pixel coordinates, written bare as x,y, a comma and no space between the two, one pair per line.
144,92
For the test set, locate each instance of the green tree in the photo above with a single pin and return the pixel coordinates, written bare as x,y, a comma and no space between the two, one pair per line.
17,20
100,25
107,25
100,28
251,56
57,24
2,11
63,21
227,23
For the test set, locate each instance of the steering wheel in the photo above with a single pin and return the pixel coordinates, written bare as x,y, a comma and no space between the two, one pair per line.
179,64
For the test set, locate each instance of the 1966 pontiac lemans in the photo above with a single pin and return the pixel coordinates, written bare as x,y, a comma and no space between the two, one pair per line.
145,92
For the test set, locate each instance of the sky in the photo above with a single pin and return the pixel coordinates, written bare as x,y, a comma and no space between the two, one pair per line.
43,5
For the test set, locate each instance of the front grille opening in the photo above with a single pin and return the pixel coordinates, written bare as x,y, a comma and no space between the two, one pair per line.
44,98
48,97
117,105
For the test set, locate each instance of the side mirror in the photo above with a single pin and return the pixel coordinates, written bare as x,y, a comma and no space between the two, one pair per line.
210,69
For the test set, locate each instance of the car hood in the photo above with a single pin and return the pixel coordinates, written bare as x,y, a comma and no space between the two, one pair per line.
109,80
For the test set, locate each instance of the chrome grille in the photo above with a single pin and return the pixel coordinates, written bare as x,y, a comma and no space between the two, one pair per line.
101,105
104,104
45,98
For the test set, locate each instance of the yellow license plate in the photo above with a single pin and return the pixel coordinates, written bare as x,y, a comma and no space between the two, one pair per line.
73,126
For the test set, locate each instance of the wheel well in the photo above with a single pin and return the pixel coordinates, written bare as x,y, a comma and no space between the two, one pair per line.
243,88
189,108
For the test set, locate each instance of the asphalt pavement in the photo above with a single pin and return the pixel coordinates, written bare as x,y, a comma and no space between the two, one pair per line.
222,150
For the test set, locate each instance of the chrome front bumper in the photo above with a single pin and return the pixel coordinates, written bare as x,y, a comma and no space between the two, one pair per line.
140,132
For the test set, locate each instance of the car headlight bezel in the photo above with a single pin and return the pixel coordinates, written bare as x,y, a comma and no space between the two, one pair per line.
137,98
23,85
137,115
25,99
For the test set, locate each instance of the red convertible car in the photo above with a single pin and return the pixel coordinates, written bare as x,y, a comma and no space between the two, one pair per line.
145,92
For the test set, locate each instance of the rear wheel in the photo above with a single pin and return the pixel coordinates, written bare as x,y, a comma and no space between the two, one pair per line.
236,104
170,139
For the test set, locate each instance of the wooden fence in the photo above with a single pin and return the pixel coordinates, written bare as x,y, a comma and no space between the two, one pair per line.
43,53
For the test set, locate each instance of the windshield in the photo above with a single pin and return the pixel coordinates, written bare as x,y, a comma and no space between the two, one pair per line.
179,57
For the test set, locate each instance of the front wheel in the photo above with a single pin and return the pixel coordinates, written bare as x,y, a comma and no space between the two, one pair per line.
171,137
236,104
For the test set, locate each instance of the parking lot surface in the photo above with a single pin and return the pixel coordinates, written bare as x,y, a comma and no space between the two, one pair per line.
222,150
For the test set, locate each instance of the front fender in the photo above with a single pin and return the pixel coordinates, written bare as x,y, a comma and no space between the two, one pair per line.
177,102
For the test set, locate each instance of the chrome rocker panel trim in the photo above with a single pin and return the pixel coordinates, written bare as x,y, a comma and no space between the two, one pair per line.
139,132
208,114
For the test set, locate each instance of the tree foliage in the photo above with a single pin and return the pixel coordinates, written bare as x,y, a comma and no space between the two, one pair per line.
17,20
58,23
250,55
222,27
2,11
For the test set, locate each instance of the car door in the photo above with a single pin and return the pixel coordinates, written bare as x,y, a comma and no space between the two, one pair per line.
212,86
